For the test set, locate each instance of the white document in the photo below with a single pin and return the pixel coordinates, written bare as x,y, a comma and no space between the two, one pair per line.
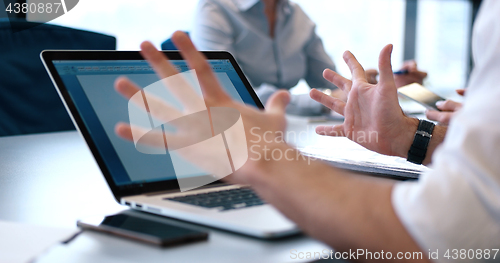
23,242
362,157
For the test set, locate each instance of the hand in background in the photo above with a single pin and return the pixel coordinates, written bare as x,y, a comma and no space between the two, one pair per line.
460,92
371,76
448,109
373,117
413,75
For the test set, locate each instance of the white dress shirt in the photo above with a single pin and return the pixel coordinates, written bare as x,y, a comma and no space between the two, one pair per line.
457,204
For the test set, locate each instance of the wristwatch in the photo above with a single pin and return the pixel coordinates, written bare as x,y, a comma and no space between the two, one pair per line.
423,136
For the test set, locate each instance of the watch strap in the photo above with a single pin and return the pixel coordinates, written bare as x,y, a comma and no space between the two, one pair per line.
423,135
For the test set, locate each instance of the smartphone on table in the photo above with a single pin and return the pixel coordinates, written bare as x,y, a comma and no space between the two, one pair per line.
420,94
140,229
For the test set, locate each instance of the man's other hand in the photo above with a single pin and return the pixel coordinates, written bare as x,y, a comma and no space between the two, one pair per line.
373,117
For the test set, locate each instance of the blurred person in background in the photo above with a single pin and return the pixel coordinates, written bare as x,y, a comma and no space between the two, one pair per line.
276,45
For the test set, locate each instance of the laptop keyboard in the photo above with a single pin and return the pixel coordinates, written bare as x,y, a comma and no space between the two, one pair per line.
223,200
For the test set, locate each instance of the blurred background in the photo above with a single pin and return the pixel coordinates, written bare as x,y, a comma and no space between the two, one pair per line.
435,33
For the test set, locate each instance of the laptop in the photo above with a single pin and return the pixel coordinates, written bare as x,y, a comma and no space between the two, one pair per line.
145,182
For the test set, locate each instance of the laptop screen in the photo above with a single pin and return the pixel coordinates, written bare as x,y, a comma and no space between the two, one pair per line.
90,84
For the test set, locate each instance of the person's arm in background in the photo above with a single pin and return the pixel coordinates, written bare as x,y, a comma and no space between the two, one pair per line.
317,61
211,29
413,75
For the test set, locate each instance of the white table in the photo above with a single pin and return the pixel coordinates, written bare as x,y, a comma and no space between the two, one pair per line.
52,179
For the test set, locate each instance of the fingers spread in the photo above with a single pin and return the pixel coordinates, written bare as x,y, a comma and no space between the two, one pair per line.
384,65
357,71
335,131
337,80
332,103
277,102
196,60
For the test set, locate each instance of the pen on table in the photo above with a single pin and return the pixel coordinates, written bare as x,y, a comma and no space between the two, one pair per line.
401,72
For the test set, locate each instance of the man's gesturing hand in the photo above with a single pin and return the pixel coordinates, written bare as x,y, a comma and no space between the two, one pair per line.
373,117
194,129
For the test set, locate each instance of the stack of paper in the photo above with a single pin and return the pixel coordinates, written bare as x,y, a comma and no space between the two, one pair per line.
363,160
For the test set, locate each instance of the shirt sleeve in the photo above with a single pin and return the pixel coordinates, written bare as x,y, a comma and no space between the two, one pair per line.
317,61
212,30
457,204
